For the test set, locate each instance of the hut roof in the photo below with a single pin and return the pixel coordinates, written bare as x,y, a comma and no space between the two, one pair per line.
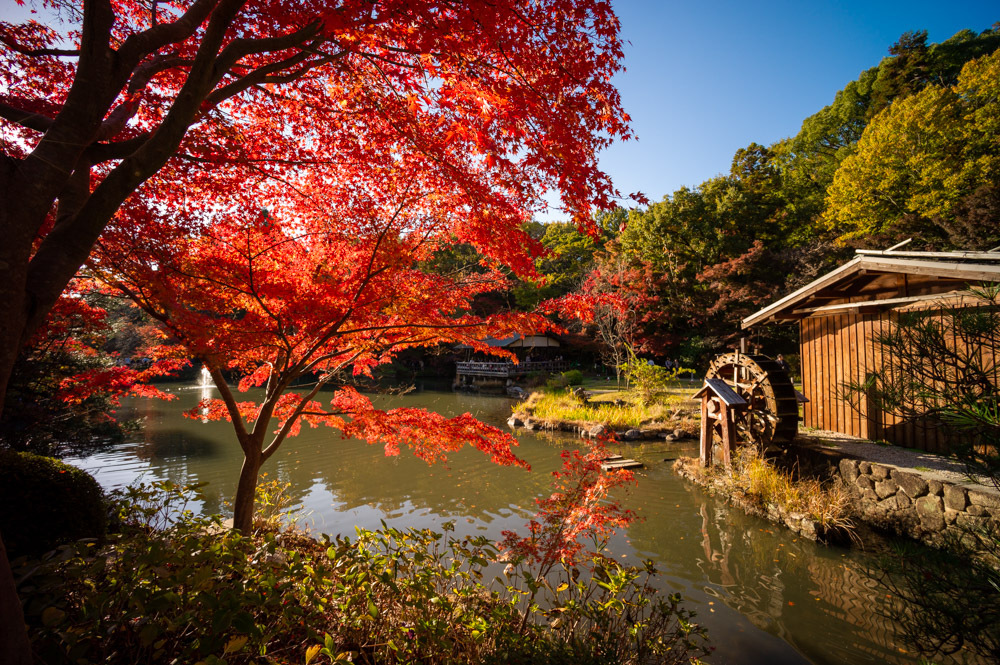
877,280
518,341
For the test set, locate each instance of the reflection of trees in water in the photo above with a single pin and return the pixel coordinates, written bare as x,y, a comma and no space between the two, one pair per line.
817,598
811,596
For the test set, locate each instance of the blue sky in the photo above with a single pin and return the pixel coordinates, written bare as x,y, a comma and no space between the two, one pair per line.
706,78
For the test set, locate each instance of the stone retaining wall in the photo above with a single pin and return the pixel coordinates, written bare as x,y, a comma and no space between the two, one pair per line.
908,503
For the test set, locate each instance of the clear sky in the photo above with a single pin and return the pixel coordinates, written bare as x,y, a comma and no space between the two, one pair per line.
705,78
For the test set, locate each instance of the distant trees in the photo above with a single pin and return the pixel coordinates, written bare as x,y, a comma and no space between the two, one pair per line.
909,149
922,162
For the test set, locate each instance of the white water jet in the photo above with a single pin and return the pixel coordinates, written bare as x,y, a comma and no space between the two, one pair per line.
205,380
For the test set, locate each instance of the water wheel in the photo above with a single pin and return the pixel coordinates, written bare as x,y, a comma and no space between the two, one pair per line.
773,413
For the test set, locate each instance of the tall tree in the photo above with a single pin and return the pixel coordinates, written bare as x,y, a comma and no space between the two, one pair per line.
918,160
289,307
107,114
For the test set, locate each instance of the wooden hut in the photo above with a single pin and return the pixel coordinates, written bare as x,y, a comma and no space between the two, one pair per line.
840,314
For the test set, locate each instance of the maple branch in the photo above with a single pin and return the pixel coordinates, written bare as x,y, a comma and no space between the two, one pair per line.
260,301
103,152
416,326
159,35
286,427
265,73
38,52
27,119
231,407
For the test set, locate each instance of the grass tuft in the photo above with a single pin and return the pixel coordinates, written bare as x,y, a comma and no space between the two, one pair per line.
764,485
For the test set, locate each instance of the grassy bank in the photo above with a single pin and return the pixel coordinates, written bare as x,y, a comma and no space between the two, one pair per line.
615,409
762,488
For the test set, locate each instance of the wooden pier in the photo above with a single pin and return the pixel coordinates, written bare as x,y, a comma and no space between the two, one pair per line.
618,462
507,369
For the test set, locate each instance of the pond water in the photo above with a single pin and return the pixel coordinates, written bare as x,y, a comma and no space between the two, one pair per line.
765,594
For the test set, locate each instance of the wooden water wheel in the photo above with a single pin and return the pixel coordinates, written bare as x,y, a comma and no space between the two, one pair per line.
772,415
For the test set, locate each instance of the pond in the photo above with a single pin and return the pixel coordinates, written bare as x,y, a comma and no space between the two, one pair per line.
765,594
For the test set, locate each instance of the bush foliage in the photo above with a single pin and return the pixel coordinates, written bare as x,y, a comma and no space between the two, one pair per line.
175,587
46,503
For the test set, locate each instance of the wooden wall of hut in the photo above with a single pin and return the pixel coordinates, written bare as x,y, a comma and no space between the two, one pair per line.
839,349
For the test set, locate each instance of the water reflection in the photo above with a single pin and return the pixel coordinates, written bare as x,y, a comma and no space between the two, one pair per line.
765,594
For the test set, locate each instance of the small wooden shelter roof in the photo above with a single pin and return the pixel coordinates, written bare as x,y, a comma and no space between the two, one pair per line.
876,280
519,341
721,389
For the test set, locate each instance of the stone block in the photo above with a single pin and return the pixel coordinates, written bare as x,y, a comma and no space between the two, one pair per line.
865,467
977,511
986,499
885,488
849,470
935,487
865,483
914,485
886,506
955,497
903,502
880,472
930,510
598,431
950,515
869,496
967,521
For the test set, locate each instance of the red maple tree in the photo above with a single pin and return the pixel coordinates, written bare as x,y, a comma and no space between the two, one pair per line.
289,308
119,108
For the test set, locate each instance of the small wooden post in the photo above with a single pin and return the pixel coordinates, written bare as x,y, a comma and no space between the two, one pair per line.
706,435
719,404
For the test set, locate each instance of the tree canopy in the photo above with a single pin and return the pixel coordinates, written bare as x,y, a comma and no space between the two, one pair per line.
167,115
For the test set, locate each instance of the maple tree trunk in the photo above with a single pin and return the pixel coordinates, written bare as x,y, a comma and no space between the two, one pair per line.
15,649
14,645
246,492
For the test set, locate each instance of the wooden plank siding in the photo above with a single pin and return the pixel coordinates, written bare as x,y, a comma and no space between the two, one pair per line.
841,348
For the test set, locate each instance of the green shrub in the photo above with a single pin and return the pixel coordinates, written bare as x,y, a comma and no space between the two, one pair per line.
173,587
573,377
45,503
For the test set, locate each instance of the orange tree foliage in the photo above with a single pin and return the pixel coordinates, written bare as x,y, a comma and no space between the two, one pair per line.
288,307
150,112
111,108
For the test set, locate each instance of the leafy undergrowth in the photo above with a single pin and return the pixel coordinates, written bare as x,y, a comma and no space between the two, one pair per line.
615,411
760,482
172,587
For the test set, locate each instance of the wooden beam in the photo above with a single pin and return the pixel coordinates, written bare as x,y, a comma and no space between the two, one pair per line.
871,306
991,255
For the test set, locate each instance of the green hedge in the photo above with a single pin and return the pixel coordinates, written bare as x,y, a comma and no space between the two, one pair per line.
45,503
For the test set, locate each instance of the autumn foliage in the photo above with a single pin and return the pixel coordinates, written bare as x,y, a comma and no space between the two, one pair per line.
167,118
578,511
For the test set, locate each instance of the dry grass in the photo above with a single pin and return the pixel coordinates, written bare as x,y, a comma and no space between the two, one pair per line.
761,483
616,412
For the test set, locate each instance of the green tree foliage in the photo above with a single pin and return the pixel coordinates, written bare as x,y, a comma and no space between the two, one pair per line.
568,258
920,158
